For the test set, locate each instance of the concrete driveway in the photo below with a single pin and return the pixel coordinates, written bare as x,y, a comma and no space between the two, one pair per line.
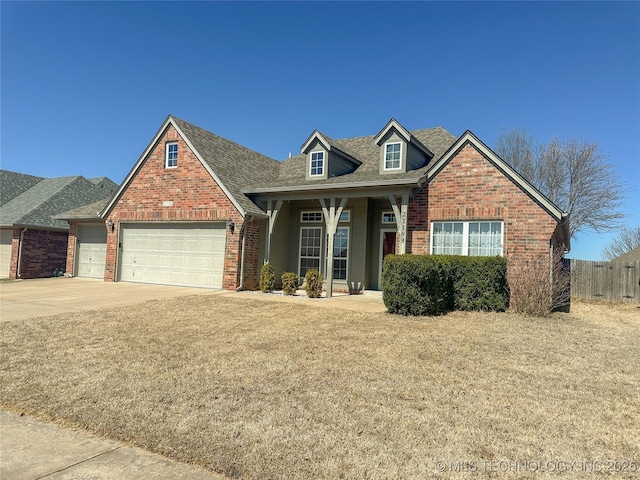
21,299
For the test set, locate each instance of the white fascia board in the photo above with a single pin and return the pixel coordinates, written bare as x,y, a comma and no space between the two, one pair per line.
503,166
136,168
393,123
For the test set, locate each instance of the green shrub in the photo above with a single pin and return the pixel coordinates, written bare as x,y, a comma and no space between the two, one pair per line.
290,283
416,285
435,284
267,278
313,283
480,283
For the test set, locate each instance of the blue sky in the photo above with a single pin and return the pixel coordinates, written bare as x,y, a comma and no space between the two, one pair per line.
85,85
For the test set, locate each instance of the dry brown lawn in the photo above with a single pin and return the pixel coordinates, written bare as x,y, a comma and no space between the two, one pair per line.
262,390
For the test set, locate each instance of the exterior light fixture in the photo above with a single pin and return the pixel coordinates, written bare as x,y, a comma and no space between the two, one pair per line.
111,225
231,225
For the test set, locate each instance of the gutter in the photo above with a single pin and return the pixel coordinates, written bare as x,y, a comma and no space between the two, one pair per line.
19,269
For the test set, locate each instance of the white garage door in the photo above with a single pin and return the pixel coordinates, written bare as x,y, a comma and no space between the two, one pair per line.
173,254
91,251
6,235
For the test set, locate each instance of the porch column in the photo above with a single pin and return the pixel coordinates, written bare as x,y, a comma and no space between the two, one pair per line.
271,221
331,219
401,219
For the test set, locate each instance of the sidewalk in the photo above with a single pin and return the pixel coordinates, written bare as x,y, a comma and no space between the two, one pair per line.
31,449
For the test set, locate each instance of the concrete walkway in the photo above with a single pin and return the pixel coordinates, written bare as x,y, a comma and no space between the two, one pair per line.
30,450
21,299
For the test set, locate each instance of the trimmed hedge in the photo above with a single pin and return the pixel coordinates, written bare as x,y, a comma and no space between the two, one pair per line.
436,284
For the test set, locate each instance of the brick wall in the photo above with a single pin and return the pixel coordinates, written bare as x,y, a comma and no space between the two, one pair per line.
470,187
252,253
71,248
195,196
42,253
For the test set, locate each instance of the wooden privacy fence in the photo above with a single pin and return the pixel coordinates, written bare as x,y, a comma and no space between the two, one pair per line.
608,281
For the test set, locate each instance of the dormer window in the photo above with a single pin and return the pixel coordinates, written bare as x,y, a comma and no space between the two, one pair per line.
317,164
171,159
392,156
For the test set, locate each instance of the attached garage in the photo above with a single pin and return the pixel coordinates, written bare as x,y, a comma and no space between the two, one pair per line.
91,250
6,236
190,255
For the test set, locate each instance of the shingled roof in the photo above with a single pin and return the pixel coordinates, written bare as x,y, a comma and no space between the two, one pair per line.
47,197
235,165
292,172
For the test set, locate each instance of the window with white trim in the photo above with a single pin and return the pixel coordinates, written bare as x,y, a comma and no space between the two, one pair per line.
340,253
171,155
392,155
317,164
467,238
345,216
310,244
315,216
388,217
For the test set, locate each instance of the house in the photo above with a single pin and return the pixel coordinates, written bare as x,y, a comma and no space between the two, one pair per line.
199,210
630,256
32,243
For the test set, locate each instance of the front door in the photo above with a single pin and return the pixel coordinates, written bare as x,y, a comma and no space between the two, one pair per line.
387,246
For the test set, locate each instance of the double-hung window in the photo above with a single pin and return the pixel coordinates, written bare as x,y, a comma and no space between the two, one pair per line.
310,243
317,164
467,238
392,155
171,159
340,253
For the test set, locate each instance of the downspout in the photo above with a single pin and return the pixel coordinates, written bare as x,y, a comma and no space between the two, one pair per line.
19,269
244,237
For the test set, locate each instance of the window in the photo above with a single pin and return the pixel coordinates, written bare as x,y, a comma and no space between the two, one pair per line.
311,216
340,253
392,154
317,164
310,243
388,217
172,155
345,216
466,238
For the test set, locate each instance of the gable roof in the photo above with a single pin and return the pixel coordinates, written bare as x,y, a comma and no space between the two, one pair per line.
630,256
292,174
35,206
13,184
230,164
404,133
331,145
469,138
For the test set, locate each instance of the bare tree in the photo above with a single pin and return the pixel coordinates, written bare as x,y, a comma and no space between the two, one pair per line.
625,241
573,174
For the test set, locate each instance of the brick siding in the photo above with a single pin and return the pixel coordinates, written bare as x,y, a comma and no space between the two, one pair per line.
196,198
470,187
43,252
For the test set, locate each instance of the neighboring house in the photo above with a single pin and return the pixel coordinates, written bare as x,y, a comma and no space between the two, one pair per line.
200,210
33,244
630,256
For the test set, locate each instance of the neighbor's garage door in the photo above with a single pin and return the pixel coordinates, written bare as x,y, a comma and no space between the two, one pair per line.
173,254
6,235
91,250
